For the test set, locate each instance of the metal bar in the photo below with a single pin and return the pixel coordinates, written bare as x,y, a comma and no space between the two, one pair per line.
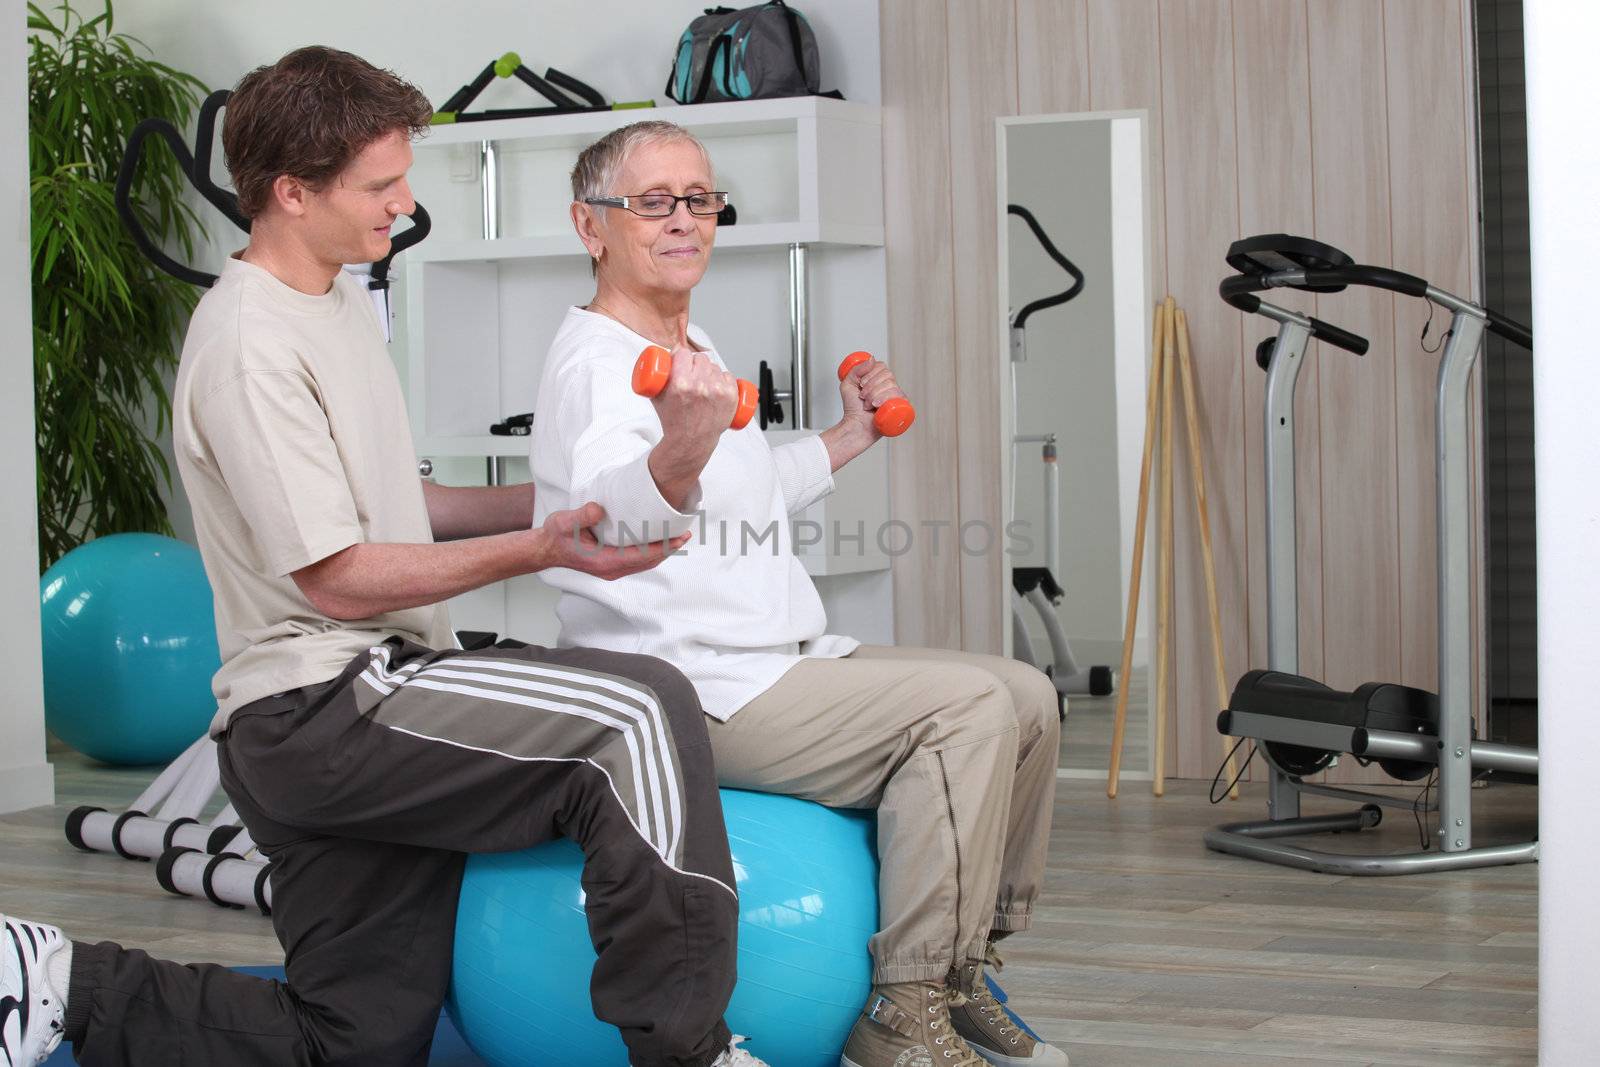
1385,800
1283,600
1341,822
1227,839
491,191
1283,607
1486,755
799,337
1324,735
1454,303
1052,509
1454,519
1497,757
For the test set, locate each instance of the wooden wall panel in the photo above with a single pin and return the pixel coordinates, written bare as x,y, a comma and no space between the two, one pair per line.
1361,524
921,279
1125,73
983,86
1053,57
1202,190
1276,178
1429,191
1342,119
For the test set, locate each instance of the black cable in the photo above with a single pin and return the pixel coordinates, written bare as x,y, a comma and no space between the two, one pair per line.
1217,798
1416,812
1054,253
1424,339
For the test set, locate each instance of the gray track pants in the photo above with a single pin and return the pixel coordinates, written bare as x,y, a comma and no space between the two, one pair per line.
367,791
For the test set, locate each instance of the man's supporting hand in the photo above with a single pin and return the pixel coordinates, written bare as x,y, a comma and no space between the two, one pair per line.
571,543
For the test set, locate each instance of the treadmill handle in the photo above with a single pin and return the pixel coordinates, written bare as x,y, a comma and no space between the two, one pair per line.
1333,335
1510,329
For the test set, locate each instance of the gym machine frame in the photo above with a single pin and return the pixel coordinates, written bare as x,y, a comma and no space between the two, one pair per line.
1280,261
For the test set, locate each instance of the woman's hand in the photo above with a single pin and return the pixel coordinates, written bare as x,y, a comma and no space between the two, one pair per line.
699,399
569,541
866,388
696,406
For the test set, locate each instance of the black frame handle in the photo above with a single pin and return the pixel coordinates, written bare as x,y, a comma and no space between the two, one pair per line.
196,166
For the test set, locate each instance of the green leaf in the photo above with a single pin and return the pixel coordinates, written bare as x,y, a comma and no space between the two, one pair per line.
106,322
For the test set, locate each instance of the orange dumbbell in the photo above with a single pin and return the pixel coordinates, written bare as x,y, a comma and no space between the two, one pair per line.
896,415
650,376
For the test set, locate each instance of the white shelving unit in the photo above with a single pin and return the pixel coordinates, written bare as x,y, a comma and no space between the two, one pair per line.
797,282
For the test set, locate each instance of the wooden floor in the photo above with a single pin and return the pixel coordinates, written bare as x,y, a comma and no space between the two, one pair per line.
1090,726
1148,950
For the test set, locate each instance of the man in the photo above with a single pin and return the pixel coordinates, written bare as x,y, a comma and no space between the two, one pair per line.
365,752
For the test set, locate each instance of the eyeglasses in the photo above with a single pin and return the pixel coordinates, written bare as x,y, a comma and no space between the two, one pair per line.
662,205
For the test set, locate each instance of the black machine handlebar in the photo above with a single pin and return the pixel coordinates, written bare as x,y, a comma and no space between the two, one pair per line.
1054,253
1278,261
1240,292
1510,329
196,168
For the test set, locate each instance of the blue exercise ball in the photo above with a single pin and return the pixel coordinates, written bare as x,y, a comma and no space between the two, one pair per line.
130,645
808,901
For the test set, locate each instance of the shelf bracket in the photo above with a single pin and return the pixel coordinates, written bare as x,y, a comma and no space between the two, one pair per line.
799,340
491,192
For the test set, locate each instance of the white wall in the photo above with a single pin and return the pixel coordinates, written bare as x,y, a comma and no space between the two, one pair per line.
621,47
1565,225
25,777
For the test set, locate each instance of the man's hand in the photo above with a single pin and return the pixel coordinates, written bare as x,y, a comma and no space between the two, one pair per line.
570,542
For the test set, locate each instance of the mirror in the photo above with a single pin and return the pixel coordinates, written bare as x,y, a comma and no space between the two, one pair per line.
1076,307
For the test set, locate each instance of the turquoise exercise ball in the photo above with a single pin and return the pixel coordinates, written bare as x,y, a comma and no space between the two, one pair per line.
130,645
808,901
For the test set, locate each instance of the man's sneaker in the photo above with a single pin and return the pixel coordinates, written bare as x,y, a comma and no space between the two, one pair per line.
736,1056
907,1024
31,1014
988,1025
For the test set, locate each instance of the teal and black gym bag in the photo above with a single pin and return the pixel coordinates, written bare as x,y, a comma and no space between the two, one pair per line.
745,54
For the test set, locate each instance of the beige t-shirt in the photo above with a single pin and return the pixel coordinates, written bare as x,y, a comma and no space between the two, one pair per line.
293,443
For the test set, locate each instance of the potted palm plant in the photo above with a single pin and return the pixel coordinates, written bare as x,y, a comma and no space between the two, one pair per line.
105,322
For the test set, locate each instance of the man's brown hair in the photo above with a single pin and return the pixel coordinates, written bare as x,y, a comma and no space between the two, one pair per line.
308,115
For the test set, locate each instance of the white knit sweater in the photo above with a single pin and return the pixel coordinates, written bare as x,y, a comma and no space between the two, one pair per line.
735,609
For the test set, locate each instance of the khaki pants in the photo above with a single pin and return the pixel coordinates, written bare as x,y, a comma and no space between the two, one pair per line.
956,751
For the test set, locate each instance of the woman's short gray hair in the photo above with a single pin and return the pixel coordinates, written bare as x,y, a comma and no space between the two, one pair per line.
599,164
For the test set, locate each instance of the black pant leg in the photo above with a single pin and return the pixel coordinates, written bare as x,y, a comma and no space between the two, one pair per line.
367,929
415,756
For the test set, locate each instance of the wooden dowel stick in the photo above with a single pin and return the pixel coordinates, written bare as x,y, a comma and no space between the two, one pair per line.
1197,475
1152,393
1164,559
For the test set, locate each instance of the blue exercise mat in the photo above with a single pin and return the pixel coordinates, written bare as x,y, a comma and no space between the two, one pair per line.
448,1048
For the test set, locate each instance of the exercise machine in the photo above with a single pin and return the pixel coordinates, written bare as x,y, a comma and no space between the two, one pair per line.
196,167
1037,587
1300,725
566,95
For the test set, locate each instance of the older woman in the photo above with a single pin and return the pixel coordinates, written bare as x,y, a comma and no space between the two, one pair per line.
955,751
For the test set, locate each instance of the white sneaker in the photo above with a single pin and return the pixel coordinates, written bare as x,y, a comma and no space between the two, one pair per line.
32,1014
736,1056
